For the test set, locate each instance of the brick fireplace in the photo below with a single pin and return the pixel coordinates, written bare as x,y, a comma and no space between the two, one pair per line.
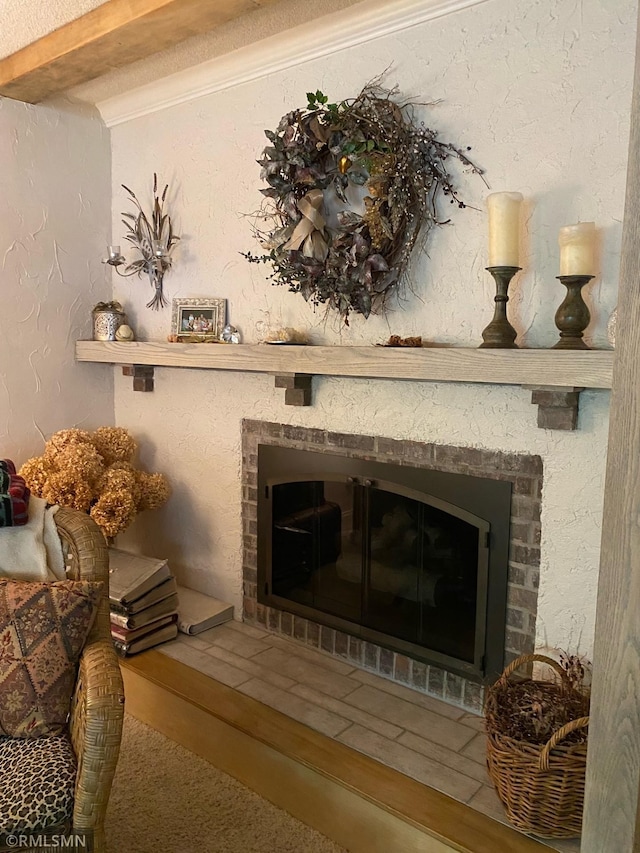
522,471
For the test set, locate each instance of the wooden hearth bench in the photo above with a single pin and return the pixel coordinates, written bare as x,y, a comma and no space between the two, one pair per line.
349,797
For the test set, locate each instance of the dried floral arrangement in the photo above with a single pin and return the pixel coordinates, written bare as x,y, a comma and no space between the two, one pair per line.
373,142
94,472
153,237
532,710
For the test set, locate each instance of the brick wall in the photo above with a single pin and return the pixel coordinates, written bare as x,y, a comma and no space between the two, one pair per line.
522,470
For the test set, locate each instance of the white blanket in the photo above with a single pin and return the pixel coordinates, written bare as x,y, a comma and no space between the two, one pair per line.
32,552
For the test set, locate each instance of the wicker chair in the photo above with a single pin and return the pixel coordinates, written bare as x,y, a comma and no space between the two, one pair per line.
97,710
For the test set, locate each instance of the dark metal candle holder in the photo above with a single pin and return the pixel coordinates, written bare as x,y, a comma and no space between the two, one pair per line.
500,333
572,317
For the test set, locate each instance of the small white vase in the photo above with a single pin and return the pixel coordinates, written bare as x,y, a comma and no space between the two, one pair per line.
106,323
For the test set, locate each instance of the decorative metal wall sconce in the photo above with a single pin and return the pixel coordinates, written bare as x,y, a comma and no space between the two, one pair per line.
153,237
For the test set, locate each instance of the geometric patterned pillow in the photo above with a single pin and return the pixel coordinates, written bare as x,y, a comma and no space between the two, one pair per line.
43,628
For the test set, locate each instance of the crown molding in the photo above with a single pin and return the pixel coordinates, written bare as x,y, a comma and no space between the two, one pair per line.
324,36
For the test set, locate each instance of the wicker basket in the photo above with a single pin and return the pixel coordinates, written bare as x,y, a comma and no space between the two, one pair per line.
540,786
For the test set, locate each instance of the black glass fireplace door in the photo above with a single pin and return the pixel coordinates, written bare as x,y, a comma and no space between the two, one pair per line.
376,557
415,560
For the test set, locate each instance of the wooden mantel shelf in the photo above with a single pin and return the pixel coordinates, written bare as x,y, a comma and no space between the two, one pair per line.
537,367
555,376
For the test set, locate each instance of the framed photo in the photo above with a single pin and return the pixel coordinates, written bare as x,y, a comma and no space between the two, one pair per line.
198,319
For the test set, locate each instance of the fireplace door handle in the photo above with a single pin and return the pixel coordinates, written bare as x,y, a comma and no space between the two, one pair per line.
290,529
354,481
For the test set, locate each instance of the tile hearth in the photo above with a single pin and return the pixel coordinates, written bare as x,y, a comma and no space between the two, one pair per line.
434,742
523,471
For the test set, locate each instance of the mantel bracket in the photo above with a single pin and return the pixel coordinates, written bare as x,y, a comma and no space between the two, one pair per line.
142,376
297,388
557,407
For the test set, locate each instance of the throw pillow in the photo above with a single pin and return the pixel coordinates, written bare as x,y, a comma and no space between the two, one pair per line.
43,628
14,496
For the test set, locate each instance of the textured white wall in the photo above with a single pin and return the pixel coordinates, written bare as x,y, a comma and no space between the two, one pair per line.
541,91
55,207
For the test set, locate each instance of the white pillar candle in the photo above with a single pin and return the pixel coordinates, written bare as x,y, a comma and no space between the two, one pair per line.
576,248
504,229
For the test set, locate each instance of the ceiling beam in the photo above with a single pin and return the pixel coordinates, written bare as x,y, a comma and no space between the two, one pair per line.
114,34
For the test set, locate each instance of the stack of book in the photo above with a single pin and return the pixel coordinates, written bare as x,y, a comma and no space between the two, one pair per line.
143,600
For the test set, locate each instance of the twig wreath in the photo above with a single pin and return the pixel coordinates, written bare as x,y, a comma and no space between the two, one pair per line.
351,260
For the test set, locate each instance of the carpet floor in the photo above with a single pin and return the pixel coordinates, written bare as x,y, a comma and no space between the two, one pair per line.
165,799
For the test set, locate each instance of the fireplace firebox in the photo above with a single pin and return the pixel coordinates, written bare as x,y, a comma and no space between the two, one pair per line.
415,560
